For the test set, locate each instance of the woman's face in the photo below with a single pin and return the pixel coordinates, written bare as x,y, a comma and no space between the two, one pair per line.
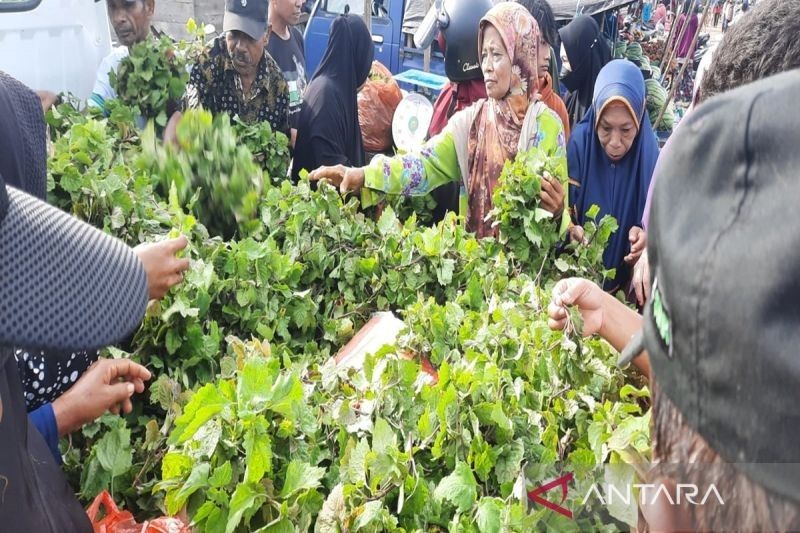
495,63
544,57
616,130
566,68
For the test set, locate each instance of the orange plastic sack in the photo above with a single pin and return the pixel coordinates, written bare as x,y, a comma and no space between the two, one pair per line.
116,521
377,102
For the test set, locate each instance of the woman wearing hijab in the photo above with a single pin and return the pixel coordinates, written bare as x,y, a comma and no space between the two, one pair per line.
612,154
685,49
328,132
479,140
548,38
660,15
584,53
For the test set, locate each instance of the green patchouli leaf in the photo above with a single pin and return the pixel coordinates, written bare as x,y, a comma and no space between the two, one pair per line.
300,476
459,488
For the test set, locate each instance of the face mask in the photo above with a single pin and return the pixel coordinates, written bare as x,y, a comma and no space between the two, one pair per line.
566,69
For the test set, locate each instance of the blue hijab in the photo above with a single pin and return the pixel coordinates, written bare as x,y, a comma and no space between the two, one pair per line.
619,189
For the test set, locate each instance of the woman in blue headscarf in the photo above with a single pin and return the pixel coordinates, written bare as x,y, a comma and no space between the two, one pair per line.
612,153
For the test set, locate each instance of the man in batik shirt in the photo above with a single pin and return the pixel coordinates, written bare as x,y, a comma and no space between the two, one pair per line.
236,75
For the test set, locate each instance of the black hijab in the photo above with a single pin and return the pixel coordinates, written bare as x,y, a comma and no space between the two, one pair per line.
328,132
23,148
588,53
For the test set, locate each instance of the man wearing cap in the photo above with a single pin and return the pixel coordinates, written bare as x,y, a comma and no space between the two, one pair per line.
236,75
131,20
722,327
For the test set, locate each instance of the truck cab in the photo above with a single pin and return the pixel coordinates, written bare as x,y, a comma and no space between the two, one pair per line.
393,48
54,45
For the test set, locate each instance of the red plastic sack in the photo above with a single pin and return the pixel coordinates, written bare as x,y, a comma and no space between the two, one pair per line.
116,521
377,102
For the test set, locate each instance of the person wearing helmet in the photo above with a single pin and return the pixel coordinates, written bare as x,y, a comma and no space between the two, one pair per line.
458,28
478,141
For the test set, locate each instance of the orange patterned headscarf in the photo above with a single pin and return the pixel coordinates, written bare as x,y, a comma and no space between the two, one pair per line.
494,134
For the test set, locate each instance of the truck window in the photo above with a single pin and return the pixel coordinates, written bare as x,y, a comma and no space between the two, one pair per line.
18,5
356,7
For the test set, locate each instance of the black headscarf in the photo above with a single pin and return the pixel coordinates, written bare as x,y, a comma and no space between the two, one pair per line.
23,148
328,132
588,53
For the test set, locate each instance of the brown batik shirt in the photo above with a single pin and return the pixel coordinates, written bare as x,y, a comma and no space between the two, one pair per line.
215,85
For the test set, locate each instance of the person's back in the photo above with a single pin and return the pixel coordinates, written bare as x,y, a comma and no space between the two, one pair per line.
328,131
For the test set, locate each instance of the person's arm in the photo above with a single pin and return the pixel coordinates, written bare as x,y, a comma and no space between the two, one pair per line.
196,96
282,112
602,314
413,174
44,420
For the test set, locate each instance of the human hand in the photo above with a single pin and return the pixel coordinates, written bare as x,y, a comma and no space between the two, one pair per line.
164,269
552,195
638,239
348,179
641,279
47,98
171,130
106,386
577,234
584,295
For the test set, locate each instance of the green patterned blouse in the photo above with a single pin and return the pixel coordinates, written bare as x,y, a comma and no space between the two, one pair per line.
443,159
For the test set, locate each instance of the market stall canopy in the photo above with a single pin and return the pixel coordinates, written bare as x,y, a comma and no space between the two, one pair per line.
568,9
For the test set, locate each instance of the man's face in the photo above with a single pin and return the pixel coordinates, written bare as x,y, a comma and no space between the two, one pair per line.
131,20
245,52
287,11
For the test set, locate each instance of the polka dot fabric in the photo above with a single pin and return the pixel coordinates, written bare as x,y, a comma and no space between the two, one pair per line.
47,375
65,285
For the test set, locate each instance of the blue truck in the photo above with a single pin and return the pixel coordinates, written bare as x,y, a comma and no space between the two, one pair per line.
392,47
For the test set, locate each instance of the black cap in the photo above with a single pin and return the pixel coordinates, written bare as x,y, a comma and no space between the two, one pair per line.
249,16
722,327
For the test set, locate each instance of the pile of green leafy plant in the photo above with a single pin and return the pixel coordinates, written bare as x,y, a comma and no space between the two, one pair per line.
272,433
152,79
270,149
525,227
210,170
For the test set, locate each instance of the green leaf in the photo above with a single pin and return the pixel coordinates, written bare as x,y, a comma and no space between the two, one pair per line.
255,381
356,464
204,405
246,499
197,479
114,451
371,512
508,463
384,440
258,449
459,488
488,516
300,476
222,475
